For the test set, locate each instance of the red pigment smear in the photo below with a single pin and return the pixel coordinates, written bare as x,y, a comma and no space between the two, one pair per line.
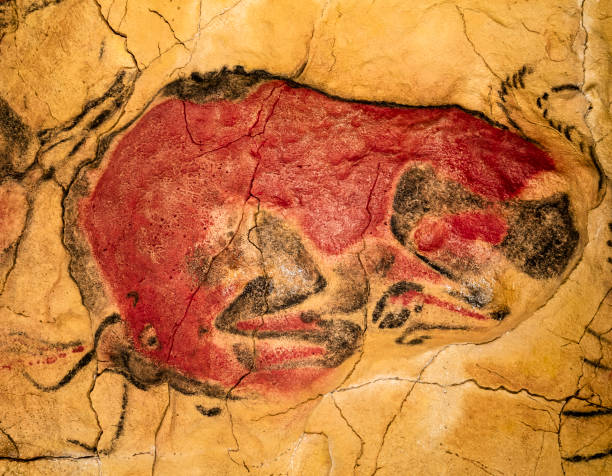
328,166
288,380
407,298
46,361
269,356
432,234
453,307
321,158
276,323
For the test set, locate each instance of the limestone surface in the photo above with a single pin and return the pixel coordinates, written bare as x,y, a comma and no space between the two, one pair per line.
317,237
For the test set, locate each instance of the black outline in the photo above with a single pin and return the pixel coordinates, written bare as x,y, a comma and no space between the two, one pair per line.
205,87
81,364
586,458
587,414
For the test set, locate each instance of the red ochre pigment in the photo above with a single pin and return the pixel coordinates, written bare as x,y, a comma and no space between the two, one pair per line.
433,234
327,165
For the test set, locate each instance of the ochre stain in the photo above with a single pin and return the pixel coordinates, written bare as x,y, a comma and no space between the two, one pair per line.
329,166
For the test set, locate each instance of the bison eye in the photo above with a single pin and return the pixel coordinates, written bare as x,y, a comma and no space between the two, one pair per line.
148,338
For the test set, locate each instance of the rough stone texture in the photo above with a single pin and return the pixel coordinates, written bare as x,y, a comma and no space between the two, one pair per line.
88,387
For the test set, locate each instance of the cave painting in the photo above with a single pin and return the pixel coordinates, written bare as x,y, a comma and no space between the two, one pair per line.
256,232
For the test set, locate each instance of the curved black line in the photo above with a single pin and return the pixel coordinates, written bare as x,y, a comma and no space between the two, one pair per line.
443,271
11,440
565,87
115,90
181,383
85,360
600,171
396,289
76,147
596,364
82,363
45,457
587,414
109,321
566,131
380,307
212,82
120,422
128,377
585,458
85,446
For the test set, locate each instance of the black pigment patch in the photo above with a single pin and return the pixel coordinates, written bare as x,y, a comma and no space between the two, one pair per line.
475,298
249,304
9,18
395,320
49,174
141,368
385,264
293,273
500,314
148,338
416,192
340,339
398,231
309,316
403,287
541,237
224,84
420,192
396,289
351,293
100,119
380,307
208,412
134,296
415,341
15,137
244,355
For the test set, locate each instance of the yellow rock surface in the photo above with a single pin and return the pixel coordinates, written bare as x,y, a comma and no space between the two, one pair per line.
533,396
